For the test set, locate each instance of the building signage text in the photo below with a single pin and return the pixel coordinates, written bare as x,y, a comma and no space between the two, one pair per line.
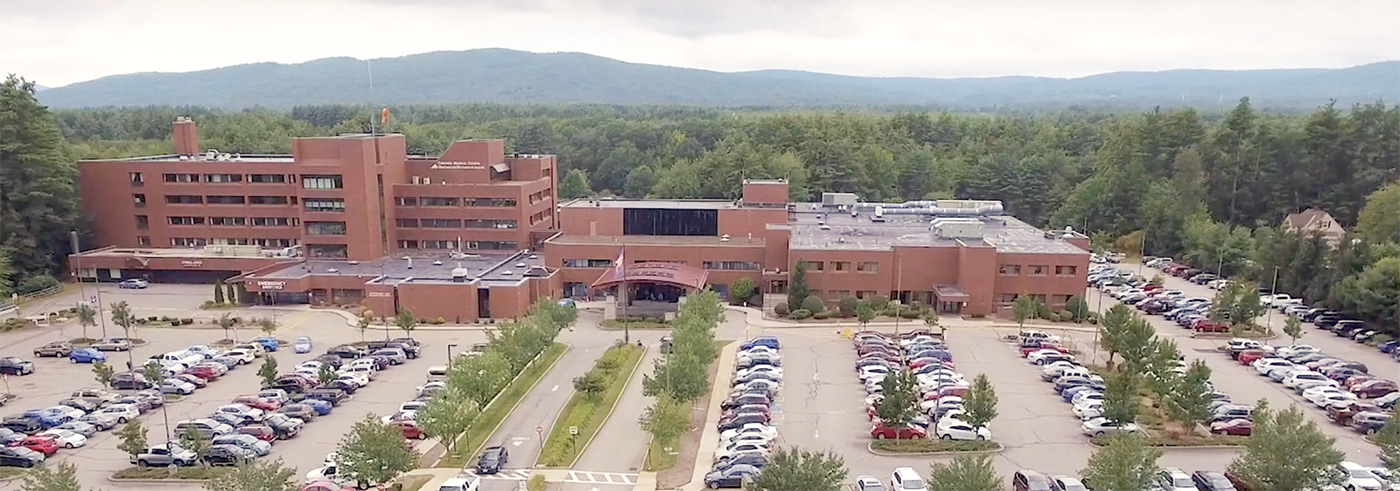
272,285
460,165
378,294
191,263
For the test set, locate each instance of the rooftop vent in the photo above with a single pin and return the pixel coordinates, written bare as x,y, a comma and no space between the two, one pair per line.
437,263
507,273
519,265
332,270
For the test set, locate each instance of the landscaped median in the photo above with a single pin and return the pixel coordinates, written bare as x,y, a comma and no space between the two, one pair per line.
923,446
1184,441
193,473
491,417
594,396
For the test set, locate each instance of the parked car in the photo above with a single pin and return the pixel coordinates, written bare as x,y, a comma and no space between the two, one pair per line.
101,421
1236,427
882,431
54,349
45,444
731,477
1211,481
299,411
20,457
1103,426
165,455
205,426
130,381
10,365
114,344
285,426
250,443
259,431
134,283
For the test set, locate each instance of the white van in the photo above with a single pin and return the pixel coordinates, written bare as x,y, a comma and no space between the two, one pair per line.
460,484
906,479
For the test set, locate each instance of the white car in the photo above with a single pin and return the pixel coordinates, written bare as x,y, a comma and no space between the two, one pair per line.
365,362
1217,284
1298,349
311,373
399,416
123,412
240,356
760,349
201,350
730,450
422,389
764,440
768,369
71,412
1358,478
1304,385
360,380
1040,354
412,406
873,371
255,348
1265,365
1336,399
1315,394
1088,410
750,428
366,371
66,438
242,411
1102,426
312,364
1086,397
1292,380
956,429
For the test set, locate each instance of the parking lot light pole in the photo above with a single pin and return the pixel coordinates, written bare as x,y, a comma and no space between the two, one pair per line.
449,355
1273,289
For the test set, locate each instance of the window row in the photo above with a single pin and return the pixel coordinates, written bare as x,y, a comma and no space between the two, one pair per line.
453,201
202,241
453,223
732,265
842,266
1007,298
192,199
325,228
588,263
453,245
144,222
1036,270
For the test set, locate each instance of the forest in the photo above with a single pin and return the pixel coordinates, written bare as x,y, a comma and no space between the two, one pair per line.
1210,187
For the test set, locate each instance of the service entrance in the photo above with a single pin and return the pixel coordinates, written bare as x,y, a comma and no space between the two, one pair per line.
949,299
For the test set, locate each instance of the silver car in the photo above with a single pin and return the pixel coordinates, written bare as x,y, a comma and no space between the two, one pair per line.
247,442
396,356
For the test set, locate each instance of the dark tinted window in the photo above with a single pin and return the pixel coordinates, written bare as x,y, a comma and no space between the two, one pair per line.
655,221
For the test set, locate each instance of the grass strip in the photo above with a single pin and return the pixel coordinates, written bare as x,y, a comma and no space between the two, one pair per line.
1184,441
588,413
8,473
658,459
495,413
924,445
181,473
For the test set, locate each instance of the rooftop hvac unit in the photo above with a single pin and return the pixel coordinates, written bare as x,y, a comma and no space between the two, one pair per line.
416,179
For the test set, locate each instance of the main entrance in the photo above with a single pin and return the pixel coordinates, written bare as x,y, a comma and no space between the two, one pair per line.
650,289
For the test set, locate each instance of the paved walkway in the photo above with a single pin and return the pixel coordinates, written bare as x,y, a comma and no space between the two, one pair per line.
709,437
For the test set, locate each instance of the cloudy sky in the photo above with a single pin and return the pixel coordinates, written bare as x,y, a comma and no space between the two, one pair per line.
57,42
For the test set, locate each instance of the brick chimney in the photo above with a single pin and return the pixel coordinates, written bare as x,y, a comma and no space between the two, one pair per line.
186,139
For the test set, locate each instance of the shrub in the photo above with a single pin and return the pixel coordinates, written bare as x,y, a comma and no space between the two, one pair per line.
781,309
186,321
175,323
821,315
910,314
813,304
847,307
800,314
440,321
35,283
152,318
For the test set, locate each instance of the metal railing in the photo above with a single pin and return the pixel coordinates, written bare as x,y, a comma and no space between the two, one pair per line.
11,303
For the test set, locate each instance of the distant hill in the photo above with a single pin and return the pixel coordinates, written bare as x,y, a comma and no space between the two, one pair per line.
507,76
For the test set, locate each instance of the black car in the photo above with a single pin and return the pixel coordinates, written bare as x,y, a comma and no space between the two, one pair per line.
347,387
333,396
28,425
334,361
741,420
755,459
230,419
1314,314
292,384
10,365
346,351
409,350
745,399
1211,481
79,404
10,458
130,381
408,341
282,425
1326,321
492,459
229,455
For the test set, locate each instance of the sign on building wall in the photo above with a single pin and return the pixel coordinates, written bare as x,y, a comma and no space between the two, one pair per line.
379,294
191,263
272,285
460,165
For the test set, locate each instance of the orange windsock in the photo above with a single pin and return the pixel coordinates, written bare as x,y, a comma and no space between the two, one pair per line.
384,116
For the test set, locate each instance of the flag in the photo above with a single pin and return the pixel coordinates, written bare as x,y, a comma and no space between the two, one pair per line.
619,267
384,116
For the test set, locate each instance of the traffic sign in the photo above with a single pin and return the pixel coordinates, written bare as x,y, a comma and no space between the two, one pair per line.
573,430
539,429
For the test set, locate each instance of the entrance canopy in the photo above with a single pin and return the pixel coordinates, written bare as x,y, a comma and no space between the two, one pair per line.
679,275
950,293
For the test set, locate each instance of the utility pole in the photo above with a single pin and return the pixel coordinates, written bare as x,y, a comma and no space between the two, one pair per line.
97,286
899,277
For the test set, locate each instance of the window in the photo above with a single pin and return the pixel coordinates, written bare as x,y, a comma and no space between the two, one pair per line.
321,182
408,244
500,224
1039,298
228,221
274,242
440,223
325,228
588,263
225,200
186,220
143,222
1006,297
143,241
323,204
1060,299
273,221
839,294
439,244
1039,270
223,178
499,202
326,250
181,177
731,265
183,199
188,242
868,267
232,241
406,223
864,294
267,178
136,179
1010,270
267,200
841,266
815,266
138,200
1065,270
493,245
406,201
432,201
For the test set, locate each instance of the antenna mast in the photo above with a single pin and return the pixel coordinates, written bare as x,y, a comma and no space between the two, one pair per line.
370,69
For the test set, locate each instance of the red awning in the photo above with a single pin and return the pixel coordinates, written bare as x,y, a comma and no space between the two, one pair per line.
680,275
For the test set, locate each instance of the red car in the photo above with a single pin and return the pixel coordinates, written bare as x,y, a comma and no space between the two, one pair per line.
47,444
261,432
867,349
1374,388
1027,350
1234,427
206,373
256,402
882,432
889,357
1250,356
1355,380
411,430
747,408
1207,325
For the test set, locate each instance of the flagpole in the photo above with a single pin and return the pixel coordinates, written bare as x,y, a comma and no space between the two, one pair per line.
622,268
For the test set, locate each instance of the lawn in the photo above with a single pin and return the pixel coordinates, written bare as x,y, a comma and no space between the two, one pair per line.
7,473
587,413
924,445
193,473
496,412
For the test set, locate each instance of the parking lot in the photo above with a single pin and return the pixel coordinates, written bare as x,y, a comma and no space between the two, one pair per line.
54,379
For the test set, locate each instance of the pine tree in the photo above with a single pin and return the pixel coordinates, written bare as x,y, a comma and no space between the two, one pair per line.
797,286
39,203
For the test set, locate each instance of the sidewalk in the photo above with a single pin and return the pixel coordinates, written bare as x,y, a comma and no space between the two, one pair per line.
621,444
709,438
754,317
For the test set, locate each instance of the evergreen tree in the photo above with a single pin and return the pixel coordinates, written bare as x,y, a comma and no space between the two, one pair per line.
39,205
797,286
575,185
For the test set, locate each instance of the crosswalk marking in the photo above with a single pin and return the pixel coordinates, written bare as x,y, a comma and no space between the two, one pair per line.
581,477
503,475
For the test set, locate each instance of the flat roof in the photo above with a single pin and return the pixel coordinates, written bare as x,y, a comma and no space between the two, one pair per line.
230,252
818,230
656,240
204,158
682,204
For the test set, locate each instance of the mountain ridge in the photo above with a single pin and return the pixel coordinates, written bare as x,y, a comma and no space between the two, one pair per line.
498,75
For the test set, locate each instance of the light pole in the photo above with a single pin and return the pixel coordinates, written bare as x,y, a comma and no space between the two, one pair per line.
1273,289
449,355
97,284
1098,326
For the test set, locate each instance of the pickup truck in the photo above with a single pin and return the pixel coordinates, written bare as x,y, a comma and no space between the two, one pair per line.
165,455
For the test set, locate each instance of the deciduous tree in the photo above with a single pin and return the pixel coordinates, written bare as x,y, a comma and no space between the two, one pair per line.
87,317
575,185
102,373
256,475
1025,307
865,313
1188,400
1293,327
406,321
965,473
132,438
1123,463
61,477
901,402
1389,440
980,403
373,452
1286,452
1379,221
448,415
268,371
226,323
794,469
741,289
1120,397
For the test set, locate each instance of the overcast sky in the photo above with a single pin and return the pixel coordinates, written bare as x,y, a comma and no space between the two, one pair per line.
57,42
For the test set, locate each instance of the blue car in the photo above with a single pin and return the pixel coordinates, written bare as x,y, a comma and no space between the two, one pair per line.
768,341
303,345
48,418
1388,346
267,343
321,407
86,355
1068,394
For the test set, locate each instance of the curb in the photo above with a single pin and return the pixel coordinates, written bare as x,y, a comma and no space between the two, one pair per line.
1179,447
870,447
528,390
612,409
115,480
